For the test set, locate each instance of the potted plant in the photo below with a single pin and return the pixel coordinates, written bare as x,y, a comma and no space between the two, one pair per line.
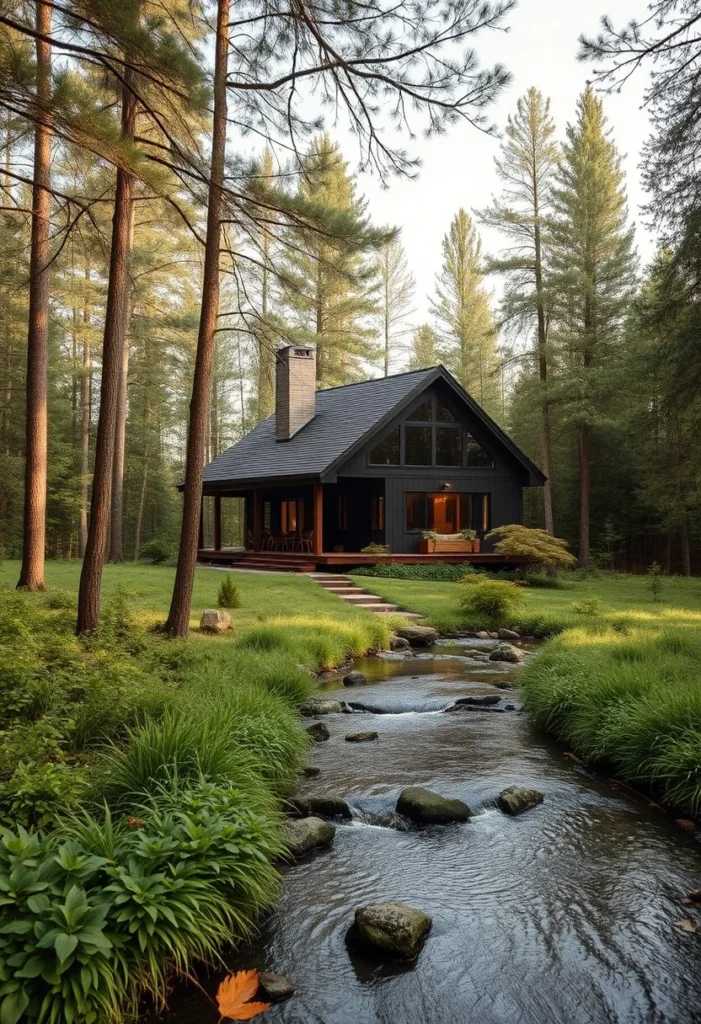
427,544
471,537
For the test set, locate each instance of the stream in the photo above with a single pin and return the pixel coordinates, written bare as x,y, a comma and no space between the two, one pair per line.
563,915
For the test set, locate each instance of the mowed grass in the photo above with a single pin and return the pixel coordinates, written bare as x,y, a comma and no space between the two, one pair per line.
623,599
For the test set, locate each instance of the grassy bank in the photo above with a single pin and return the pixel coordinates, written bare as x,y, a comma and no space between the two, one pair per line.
619,682
141,779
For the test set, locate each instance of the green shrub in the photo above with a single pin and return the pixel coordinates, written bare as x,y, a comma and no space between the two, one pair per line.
538,546
655,580
96,913
38,792
489,602
589,606
228,596
375,549
61,600
156,552
439,572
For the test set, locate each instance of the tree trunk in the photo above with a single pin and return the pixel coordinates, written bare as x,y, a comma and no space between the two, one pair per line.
32,572
116,553
686,549
585,492
179,616
142,492
545,446
116,315
85,410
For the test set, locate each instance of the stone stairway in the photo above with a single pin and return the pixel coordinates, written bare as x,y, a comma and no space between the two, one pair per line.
343,587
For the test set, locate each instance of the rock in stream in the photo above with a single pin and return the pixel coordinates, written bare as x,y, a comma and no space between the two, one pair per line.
390,929
425,807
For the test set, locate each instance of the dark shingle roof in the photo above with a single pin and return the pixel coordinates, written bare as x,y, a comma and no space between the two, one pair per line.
343,416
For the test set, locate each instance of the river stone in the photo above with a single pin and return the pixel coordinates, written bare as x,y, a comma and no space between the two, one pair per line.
427,808
502,684
274,987
483,635
215,620
393,929
318,732
507,652
399,643
509,634
321,807
418,636
360,737
306,834
311,771
354,679
479,702
316,706
515,800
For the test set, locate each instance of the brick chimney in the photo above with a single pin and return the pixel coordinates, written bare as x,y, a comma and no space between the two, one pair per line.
295,389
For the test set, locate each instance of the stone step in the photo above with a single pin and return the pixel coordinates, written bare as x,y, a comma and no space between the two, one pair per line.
360,598
380,609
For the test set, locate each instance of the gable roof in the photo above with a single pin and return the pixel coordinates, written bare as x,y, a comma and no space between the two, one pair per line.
345,417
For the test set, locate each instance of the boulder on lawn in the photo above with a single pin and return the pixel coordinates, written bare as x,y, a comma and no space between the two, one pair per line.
507,652
390,929
354,679
425,807
508,634
515,800
274,988
215,620
418,636
318,706
321,807
399,643
306,834
360,737
318,732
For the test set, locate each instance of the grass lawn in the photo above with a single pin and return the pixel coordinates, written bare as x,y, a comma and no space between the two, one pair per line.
621,598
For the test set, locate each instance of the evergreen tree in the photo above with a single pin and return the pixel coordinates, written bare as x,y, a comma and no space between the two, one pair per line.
395,301
330,281
594,273
462,311
424,348
527,167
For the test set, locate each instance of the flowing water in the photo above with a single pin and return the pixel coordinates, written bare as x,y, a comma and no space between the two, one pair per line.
563,915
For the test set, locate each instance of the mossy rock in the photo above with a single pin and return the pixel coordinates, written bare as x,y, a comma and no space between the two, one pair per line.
317,706
361,737
390,929
318,732
516,800
322,807
508,653
307,834
425,807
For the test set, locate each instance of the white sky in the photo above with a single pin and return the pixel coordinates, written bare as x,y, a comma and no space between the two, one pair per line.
458,169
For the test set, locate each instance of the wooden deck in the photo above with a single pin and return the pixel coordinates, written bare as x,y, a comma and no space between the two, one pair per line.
283,561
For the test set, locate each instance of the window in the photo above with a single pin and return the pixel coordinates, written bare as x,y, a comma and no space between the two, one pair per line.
417,446
447,513
416,510
386,453
267,515
448,446
343,512
443,512
378,512
424,413
476,455
444,415
291,516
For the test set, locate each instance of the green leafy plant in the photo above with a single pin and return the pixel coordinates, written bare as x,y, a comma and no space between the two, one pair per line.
489,602
429,535
156,552
655,581
228,596
589,606
538,546
375,549
469,534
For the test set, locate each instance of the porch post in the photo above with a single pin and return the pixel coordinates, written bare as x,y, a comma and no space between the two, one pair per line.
217,522
200,529
257,518
318,519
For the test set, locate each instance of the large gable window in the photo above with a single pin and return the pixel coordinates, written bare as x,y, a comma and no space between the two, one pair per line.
417,445
386,453
448,446
476,455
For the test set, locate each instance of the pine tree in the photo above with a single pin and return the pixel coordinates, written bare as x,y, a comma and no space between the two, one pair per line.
424,348
527,168
594,272
396,295
330,278
462,311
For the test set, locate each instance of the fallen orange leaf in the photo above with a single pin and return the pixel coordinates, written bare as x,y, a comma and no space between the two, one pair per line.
234,994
